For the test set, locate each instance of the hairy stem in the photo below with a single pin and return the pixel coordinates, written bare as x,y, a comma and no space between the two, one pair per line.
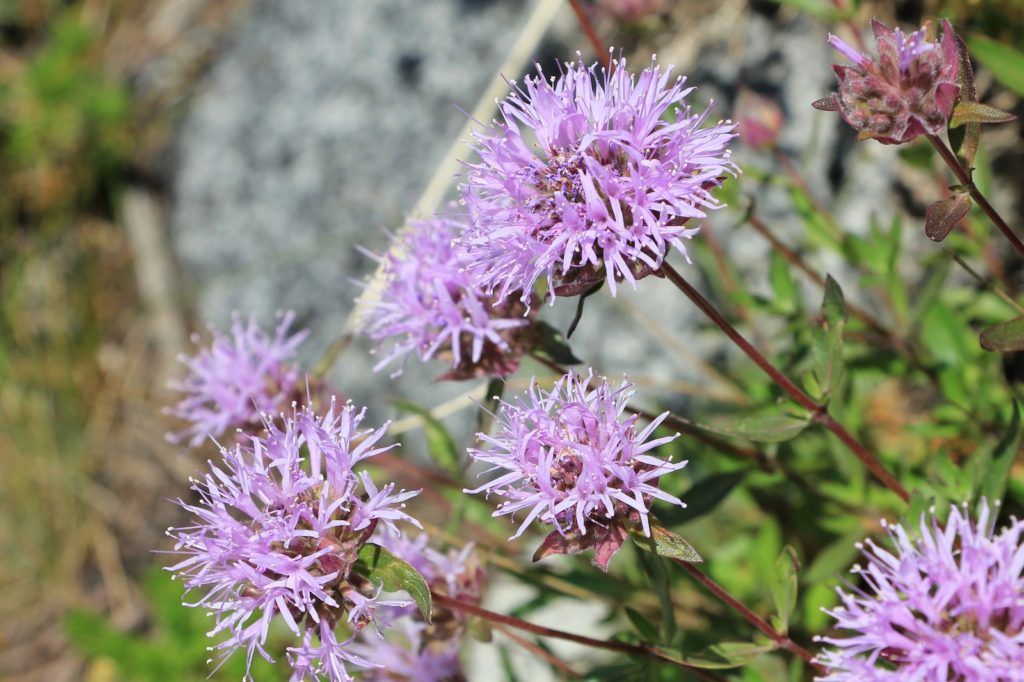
819,412
964,176
782,640
609,645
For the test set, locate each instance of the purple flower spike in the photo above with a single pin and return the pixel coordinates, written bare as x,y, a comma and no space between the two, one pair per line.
590,177
431,307
947,605
909,90
570,460
278,525
236,380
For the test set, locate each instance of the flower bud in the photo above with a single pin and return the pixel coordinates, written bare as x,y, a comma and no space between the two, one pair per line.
909,90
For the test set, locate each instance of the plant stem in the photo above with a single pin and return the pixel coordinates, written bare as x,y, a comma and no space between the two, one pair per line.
819,412
964,176
751,617
520,624
595,41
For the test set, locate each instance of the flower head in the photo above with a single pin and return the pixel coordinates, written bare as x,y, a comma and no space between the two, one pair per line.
431,307
909,90
278,525
590,177
571,460
237,379
946,605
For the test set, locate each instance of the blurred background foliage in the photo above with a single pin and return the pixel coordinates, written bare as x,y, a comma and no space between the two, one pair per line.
82,463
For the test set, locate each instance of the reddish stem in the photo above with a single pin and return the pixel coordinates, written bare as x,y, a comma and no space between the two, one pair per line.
751,617
603,55
819,412
520,624
964,176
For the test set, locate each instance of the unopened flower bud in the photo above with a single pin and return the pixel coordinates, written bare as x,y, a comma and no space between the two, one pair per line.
908,90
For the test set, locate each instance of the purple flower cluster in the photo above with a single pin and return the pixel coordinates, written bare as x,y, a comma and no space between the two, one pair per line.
573,461
431,307
236,380
909,90
278,525
946,605
590,177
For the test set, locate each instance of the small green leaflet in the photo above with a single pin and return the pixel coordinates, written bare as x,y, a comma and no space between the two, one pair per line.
382,567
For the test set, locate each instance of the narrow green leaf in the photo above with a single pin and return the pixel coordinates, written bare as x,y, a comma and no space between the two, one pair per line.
657,573
1005,62
440,443
485,415
766,428
827,343
729,655
1004,337
703,496
976,112
835,559
784,585
648,633
833,305
784,288
993,485
552,344
381,566
664,542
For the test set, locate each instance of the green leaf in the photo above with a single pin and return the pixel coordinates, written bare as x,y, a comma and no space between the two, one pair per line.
965,140
942,216
827,345
664,542
834,559
657,573
993,485
976,112
648,633
381,566
485,415
552,344
766,428
703,496
440,443
1005,62
783,583
729,654
1004,337
784,288
822,9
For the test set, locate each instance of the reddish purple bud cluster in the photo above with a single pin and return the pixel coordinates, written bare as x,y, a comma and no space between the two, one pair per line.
909,90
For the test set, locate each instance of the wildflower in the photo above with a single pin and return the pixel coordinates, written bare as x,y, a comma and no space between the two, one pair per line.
573,462
909,90
407,654
236,380
591,177
946,605
431,307
278,526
